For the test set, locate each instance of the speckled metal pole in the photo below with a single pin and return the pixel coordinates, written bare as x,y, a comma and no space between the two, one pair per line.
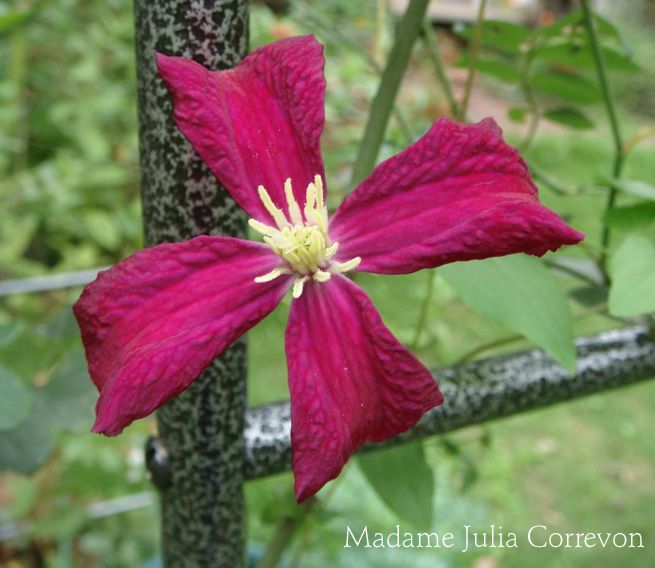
201,431
482,391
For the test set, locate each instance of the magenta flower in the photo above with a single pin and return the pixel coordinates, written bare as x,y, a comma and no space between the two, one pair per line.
151,324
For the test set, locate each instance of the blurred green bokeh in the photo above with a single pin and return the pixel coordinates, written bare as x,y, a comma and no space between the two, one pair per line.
69,200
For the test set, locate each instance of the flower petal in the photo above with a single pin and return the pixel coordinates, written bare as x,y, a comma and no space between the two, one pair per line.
350,380
257,124
152,323
458,193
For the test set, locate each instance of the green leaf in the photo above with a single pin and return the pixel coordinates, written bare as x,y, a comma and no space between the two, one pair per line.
520,293
29,353
590,296
467,466
505,37
70,394
15,400
632,268
9,21
28,446
634,187
569,116
573,26
403,480
578,56
567,86
631,217
103,229
9,332
496,68
517,114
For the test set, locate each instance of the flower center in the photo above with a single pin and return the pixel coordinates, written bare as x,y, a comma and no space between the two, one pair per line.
304,245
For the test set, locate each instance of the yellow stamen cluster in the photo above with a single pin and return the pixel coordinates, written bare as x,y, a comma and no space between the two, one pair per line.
303,244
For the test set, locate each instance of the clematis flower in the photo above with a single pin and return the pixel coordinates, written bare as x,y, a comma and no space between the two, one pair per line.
151,324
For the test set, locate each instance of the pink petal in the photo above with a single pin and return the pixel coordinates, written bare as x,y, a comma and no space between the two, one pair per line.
458,193
259,123
350,380
152,323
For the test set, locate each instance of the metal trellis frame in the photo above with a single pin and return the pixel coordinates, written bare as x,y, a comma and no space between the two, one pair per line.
209,441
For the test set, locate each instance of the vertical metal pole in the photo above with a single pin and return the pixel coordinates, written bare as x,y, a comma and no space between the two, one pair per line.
201,430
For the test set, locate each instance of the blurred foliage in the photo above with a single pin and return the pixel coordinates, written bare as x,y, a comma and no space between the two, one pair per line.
69,200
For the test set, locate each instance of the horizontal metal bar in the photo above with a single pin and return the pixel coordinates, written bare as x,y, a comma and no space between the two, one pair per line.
48,282
481,391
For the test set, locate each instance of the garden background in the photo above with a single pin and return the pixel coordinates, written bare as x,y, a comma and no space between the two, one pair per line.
69,201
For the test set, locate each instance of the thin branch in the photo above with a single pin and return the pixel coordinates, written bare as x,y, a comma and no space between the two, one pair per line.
408,30
475,51
572,272
425,308
639,137
550,182
284,535
528,94
344,40
617,165
439,69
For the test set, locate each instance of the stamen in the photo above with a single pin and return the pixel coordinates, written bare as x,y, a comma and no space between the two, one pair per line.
318,182
277,214
272,275
298,286
302,243
310,198
261,228
322,276
294,209
339,267
331,250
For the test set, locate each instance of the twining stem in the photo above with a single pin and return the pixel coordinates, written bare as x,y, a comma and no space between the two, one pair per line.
473,61
425,307
608,100
408,30
439,69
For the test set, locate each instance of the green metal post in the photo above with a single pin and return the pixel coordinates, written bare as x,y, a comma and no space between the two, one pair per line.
201,431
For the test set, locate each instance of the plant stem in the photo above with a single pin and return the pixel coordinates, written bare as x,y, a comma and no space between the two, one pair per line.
639,137
425,307
572,272
600,309
17,69
345,40
408,31
439,69
550,182
460,113
528,94
475,50
284,534
617,165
